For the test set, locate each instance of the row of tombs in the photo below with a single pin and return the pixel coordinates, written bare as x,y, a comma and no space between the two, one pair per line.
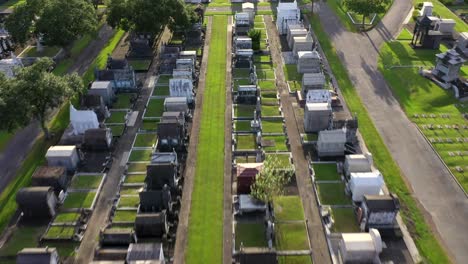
145,210
64,192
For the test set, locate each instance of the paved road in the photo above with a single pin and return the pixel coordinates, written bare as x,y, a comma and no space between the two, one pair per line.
444,203
320,252
11,158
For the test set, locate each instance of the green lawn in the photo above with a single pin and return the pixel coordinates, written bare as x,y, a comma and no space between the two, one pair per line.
291,74
303,259
79,200
4,138
326,172
274,143
140,65
444,12
295,86
149,125
130,190
345,221
86,181
11,3
242,126
129,201
332,194
238,82
135,178
137,166
425,240
270,110
163,79
272,126
23,237
310,137
244,111
240,73
117,130
124,216
291,236
246,142
47,52
405,35
264,66
161,91
62,232
267,85
263,74
270,101
245,159
124,101
140,155
117,117
155,108
419,96
262,58
145,140
69,217
288,208
205,231
251,235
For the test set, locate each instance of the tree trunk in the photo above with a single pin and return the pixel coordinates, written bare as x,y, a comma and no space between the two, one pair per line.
44,127
363,22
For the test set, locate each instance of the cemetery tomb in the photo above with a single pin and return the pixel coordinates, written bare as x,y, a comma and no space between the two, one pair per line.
193,36
122,79
163,170
462,43
98,139
242,24
331,143
426,9
309,62
246,94
117,236
360,247
246,173
318,96
151,225
365,183
189,54
379,211
445,26
182,73
448,65
8,66
288,13
167,65
176,104
302,44
248,204
317,117
149,252
140,48
311,81
249,8
358,163
156,200
37,202
185,64
181,88
65,156
296,31
243,43
53,176
41,255
171,130
424,36
82,120
95,103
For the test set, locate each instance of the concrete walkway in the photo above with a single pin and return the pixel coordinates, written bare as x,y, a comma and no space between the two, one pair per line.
320,252
441,199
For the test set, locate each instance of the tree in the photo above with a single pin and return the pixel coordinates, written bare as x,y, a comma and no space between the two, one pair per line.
63,22
255,35
366,7
271,180
13,106
149,15
20,23
43,90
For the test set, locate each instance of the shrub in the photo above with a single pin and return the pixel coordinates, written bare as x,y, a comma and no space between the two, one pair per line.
255,35
415,15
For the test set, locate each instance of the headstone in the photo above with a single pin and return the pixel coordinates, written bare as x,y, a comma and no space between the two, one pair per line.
317,116
448,65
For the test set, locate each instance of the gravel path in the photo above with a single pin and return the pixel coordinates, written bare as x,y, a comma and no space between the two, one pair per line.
443,202
320,252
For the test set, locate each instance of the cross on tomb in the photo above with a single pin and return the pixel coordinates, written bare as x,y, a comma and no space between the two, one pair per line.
459,169
451,154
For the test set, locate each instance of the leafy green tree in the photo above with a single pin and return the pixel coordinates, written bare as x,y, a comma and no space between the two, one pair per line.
271,180
13,105
43,90
255,35
149,15
366,7
63,22
20,23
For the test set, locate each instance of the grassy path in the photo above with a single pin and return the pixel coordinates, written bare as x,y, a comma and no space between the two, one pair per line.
425,240
205,233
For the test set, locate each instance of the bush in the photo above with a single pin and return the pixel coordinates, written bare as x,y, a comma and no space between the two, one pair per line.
419,6
415,15
255,35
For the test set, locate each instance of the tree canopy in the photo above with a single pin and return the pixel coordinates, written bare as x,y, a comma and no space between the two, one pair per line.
149,15
367,7
271,180
33,92
59,22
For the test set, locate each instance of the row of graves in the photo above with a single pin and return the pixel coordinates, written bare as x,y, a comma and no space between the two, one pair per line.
358,214
262,233
143,221
64,193
429,32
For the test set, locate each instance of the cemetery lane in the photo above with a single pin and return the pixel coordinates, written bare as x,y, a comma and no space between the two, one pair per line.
444,203
320,252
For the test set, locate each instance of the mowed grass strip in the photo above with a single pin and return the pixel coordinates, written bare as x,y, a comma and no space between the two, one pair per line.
425,240
205,237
